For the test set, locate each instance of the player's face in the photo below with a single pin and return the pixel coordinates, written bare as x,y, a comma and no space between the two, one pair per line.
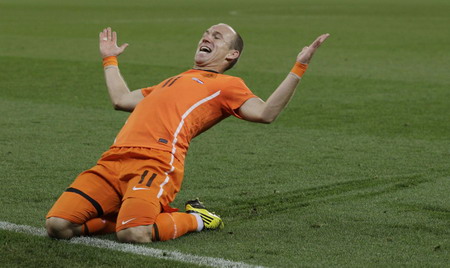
214,49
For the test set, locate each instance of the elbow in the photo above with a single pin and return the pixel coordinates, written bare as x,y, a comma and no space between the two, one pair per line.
117,106
266,119
268,115
260,119
258,113
116,103
120,107
120,104
125,102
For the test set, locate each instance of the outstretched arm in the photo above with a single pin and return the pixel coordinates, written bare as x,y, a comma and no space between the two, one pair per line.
256,110
121,97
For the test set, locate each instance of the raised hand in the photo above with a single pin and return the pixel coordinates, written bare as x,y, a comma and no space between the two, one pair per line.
307,52
108,43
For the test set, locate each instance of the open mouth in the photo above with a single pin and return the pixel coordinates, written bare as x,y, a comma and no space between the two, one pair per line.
205,49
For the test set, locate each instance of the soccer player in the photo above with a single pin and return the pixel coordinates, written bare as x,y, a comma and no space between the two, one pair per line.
130,189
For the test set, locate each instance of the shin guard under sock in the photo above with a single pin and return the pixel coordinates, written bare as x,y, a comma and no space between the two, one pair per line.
172,225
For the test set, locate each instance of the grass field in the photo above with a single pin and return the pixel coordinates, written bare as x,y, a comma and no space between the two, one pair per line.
355,172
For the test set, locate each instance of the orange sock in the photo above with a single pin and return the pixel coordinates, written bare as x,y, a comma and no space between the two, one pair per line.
172,225
99,226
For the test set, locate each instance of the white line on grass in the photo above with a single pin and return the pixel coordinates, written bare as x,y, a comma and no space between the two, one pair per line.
139,250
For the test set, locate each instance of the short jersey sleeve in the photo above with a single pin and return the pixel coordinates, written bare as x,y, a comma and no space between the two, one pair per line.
147,90
234,95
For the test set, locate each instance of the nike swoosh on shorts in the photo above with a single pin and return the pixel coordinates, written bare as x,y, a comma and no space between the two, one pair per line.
127,221
137,188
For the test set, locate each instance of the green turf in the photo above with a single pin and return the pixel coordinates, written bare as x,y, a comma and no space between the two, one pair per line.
355,172
21,250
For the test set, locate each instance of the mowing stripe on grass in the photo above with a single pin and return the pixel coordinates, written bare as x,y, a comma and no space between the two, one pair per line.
139,250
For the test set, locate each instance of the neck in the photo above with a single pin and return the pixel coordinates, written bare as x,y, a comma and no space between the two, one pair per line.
206,70
214,69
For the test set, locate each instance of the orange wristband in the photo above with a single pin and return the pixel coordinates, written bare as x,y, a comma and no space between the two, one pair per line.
299,69
110,61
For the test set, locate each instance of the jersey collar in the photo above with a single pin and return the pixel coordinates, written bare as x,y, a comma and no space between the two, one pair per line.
211,71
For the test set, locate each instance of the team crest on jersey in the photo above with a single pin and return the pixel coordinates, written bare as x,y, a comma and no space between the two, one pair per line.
197,80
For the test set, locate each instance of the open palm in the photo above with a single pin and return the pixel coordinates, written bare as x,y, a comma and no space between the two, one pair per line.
108,43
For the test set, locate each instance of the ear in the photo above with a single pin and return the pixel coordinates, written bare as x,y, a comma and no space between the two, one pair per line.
232,55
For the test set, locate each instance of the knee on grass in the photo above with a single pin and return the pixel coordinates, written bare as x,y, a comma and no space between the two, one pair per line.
139,234
61,228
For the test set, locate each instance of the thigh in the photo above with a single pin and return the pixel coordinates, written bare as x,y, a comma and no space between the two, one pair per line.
91,195
148,188
140,204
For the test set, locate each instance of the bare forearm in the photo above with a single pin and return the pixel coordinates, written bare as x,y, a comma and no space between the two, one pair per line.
116,85
119,93
256,110
280,97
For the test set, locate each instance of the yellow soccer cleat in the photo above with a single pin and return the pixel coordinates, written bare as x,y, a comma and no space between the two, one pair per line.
210,220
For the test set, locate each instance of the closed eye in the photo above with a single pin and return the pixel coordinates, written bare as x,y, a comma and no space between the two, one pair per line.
215,35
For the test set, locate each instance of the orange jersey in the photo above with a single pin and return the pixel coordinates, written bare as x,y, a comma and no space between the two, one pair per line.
180,108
